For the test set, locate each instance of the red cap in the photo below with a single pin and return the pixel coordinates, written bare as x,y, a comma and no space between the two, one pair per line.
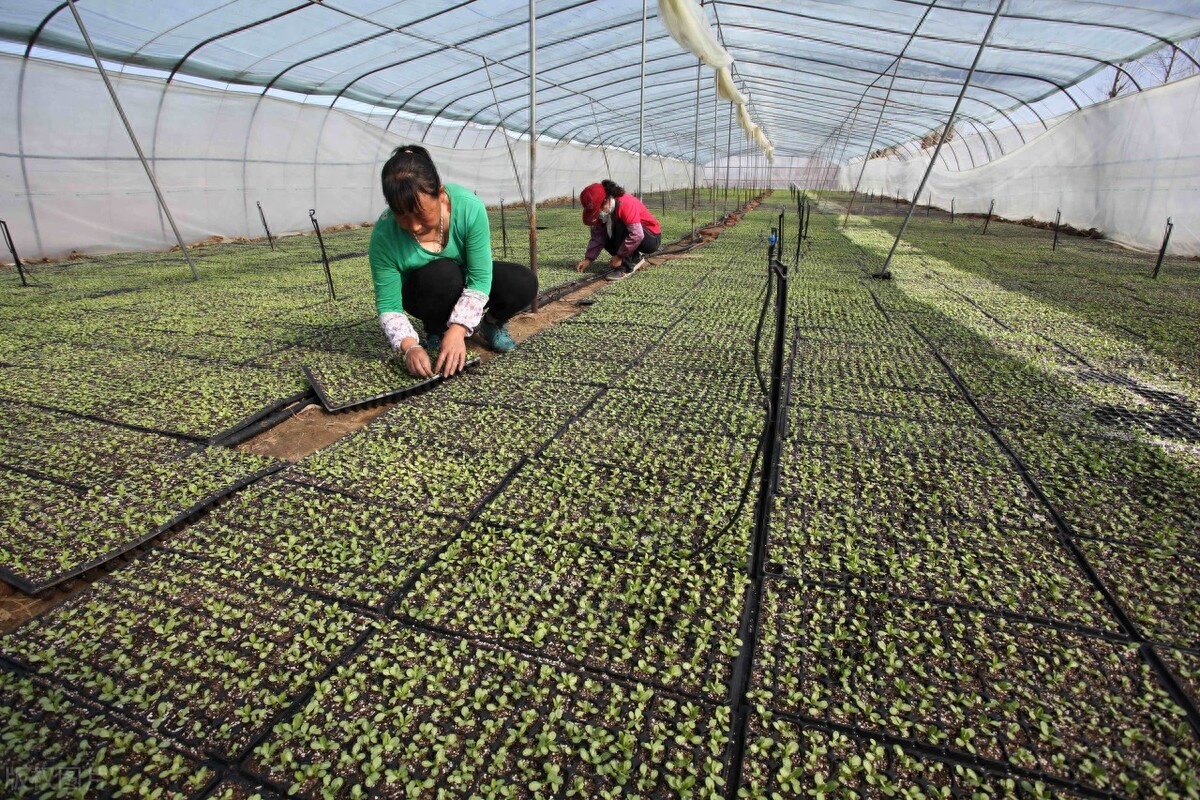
591,198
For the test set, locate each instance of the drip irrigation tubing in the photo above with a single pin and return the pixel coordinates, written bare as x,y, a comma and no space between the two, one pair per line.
762,437
741,678
1066,536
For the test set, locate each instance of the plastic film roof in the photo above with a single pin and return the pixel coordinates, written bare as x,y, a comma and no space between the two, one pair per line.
820,76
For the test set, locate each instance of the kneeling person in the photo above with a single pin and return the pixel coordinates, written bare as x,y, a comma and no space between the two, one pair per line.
620,224
431,256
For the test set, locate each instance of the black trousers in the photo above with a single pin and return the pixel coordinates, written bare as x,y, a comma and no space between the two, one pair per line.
431,292
649,243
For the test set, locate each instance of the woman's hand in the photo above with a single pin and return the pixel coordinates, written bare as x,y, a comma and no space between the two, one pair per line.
416,361
616,262
583,264
453,355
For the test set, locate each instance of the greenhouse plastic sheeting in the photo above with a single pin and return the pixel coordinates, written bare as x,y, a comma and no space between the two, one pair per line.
302,101
1123,167
217,155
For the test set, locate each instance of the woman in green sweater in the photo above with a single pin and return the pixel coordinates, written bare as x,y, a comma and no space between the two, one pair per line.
431,257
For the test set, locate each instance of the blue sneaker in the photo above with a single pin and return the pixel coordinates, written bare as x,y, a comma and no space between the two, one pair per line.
433,341
496,337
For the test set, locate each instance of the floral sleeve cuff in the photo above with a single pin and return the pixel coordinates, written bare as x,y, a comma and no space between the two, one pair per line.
468,311
396,327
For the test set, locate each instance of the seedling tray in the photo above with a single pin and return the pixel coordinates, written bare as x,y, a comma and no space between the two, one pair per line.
357,383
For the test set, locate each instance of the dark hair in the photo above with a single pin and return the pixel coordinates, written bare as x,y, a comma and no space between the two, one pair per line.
408,174
611,189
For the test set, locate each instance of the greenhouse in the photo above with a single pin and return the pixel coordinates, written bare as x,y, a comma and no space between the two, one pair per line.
875,474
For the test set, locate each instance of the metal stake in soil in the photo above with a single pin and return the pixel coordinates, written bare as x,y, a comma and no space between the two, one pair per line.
13,249
324,256
263,217
991,208
1057,220
1162,251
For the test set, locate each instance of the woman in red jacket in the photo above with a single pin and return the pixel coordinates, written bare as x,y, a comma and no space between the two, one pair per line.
621,224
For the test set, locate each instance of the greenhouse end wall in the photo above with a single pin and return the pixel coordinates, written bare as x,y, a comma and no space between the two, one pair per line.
72,181
1122,167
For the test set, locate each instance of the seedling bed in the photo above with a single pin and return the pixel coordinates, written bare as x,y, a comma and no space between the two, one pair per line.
72,534
342,384
644,445
203,652
75,450
661,621
965,562
61,745
786,757
829,434
615,507
325,543
528,396
402,467
204,405
1038,698
1155,586
515,722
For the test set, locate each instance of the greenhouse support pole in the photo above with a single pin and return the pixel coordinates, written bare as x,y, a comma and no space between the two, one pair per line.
712,185
987,221
642,104
507,139
728,159
1057,220
12,248
600,138
779,272
533,253
1162,251
162,202
883,271
696,149
503,230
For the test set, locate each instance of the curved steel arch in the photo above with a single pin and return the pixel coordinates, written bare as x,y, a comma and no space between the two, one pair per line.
232,31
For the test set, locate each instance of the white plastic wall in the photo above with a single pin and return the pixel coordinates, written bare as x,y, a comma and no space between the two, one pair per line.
1122,167
70,179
